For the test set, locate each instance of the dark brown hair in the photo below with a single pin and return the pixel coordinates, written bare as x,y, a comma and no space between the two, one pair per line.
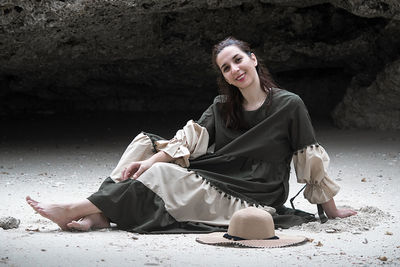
232,107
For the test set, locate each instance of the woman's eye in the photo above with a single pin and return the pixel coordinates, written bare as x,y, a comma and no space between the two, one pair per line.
238,59
225,69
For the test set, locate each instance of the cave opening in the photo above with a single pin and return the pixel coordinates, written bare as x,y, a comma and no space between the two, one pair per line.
320,88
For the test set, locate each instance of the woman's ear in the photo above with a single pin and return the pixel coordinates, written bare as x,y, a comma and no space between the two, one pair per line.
254,58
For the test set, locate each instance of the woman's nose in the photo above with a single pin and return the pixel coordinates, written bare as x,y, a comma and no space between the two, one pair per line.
235,68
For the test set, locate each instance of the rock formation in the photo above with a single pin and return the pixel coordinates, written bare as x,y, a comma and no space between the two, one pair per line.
9,222
139,55
376,105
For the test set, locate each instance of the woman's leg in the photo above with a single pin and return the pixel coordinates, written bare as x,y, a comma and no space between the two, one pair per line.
93,221
62,214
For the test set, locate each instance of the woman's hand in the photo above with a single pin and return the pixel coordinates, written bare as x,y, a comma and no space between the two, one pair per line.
135,169
343,213
333,212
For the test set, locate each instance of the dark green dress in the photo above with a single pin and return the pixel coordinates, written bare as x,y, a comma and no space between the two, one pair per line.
254,163
251,165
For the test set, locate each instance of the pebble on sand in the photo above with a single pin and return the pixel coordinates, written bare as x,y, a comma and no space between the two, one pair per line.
330,231
9,222
383,258
319,244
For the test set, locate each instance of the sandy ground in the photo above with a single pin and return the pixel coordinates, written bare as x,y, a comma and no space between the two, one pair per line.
67,159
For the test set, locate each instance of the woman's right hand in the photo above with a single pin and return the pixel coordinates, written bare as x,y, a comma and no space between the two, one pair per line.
135,169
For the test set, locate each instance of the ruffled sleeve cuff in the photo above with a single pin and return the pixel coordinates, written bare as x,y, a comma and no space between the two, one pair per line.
188,143
322,192
311,165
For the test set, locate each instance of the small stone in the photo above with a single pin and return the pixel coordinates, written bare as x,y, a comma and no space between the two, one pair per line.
383,258
388,233
319,244
363,180
43,249
330,231
365,241
9,222
32,229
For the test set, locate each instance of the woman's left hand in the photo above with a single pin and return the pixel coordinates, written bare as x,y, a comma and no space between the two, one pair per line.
333,212
343,213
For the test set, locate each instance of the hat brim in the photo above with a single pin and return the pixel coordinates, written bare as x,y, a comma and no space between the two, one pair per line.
217,239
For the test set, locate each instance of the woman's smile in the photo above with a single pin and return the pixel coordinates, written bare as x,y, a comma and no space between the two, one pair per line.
241,77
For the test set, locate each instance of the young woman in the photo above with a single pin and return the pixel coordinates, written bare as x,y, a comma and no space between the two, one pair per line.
236,155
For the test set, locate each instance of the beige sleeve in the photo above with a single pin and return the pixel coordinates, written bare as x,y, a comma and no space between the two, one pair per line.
311,165
141,148
188,143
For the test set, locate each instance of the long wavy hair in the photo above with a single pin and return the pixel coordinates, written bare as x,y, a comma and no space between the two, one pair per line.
232,107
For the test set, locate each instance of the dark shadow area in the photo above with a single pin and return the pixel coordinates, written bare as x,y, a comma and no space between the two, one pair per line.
157,58
321,89
90,128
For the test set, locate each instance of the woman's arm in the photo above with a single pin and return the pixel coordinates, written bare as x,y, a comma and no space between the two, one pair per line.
333,212
311,167
135,169
189,142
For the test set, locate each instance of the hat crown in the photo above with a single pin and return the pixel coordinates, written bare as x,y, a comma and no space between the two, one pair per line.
252,223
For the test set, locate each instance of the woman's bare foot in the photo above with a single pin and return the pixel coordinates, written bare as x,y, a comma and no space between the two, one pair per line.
93,221
58,213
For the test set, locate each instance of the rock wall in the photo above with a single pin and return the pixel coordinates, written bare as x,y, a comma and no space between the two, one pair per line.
127,55
376,105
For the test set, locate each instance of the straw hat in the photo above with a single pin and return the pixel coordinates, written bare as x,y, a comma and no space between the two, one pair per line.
251,227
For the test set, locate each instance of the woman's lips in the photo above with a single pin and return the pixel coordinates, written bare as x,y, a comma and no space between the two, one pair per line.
240,78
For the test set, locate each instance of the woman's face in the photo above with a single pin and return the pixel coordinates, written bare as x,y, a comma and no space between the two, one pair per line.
237,67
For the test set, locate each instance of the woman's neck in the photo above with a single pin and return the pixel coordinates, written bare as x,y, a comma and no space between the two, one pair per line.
253,97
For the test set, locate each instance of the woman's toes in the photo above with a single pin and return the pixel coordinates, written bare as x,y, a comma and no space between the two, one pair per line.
71,224
74,225
30,200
